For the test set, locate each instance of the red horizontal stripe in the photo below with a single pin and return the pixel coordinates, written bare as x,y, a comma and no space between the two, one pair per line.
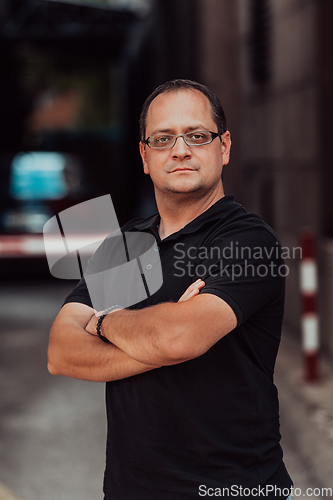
308,246
309,303
311,368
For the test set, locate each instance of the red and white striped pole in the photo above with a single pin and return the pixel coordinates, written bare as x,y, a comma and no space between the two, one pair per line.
310,322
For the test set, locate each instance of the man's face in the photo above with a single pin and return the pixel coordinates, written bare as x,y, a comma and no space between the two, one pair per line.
182,168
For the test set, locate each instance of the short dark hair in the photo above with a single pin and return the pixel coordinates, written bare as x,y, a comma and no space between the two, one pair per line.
174,85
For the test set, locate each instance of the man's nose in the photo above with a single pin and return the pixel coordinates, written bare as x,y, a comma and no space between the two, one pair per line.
181,149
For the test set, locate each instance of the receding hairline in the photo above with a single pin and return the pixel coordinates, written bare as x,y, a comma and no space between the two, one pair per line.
177,91
181,84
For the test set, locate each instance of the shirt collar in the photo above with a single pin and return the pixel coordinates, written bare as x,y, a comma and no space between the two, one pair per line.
152,221
212,213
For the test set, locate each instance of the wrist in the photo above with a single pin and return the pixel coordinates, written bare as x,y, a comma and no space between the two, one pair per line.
107,311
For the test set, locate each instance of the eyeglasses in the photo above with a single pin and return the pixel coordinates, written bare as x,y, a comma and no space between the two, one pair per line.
196,138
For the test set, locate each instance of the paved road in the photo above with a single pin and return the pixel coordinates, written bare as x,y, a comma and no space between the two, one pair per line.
52,429
299,468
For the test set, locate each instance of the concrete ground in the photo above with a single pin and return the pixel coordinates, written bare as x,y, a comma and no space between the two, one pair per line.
53,429
306,411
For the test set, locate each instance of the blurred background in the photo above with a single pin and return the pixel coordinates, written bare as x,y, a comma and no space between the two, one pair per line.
74,75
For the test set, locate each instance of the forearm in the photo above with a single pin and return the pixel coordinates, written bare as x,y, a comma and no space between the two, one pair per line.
153,335
75,353
170,333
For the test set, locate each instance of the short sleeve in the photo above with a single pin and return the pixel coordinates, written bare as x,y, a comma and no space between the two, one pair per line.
79,294
246,270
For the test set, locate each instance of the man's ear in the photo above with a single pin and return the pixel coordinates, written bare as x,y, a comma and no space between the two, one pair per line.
225,147
143,154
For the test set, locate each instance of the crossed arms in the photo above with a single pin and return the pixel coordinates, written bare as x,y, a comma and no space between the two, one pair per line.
142,340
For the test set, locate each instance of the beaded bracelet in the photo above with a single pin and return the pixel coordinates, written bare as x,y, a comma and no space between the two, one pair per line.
99,322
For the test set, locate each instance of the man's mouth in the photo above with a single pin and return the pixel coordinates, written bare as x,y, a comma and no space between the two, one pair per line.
183,169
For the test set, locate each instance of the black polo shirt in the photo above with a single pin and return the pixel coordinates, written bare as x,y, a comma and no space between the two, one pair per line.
211,422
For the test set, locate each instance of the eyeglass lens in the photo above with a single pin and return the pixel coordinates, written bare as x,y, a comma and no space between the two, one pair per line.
191,139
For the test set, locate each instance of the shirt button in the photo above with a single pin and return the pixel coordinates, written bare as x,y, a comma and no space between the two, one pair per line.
149,266
156,249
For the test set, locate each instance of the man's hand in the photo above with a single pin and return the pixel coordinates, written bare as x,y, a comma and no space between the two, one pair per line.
92,324
192,290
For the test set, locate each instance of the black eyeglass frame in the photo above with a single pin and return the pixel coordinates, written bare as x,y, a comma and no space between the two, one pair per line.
214,135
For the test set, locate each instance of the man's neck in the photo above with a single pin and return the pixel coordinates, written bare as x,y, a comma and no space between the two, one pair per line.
178,212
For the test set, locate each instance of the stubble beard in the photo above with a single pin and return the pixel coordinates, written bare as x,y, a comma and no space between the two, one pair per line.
186,193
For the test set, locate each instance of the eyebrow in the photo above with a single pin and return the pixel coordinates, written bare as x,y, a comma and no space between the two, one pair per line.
190,128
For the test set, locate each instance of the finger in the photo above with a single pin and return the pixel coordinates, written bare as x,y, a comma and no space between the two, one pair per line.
195,285
189,294
197,288
192,289
194,292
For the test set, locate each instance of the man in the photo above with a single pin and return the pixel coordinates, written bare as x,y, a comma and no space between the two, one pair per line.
192,408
